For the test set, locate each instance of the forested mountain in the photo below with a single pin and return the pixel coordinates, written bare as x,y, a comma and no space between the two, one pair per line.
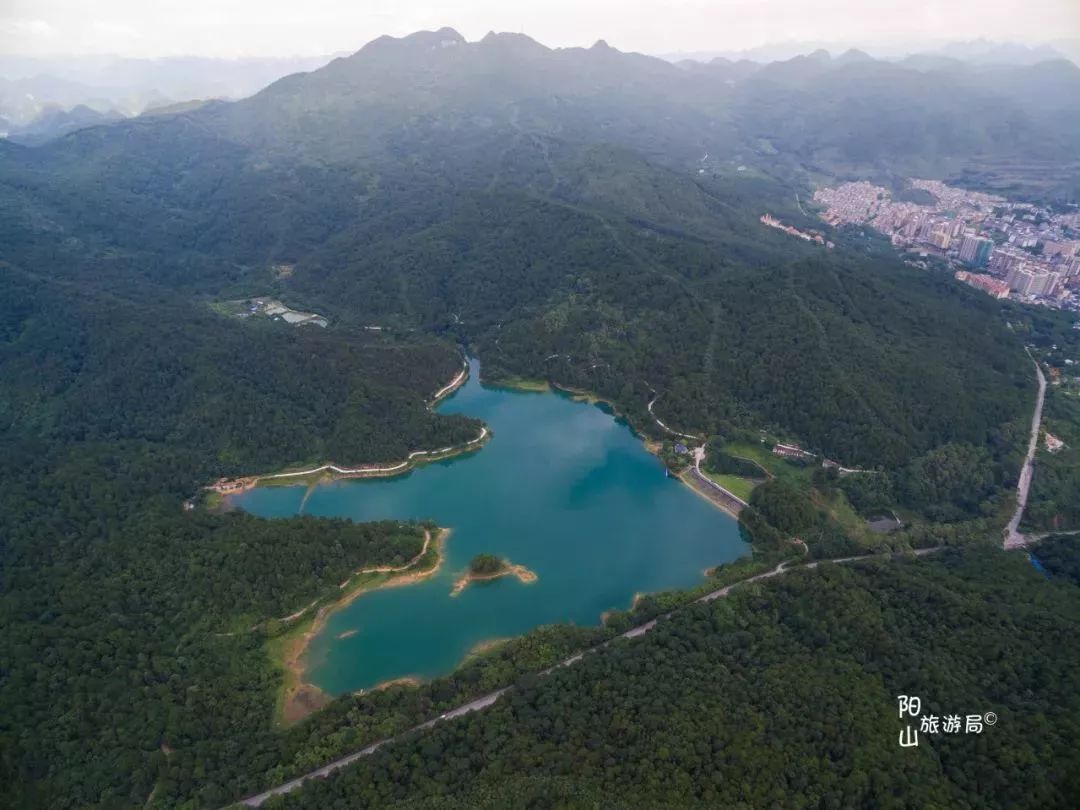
408,186
579,215
82,368
53,122
114,410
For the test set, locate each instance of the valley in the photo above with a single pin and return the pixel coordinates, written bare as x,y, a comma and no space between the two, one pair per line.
659,323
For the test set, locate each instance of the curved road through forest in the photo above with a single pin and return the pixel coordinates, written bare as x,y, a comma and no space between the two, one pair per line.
490,698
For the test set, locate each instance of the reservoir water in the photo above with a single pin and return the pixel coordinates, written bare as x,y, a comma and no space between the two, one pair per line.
562,487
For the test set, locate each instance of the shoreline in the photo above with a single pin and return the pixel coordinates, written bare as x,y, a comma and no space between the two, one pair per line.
537,386
452,386
411,681
651,445
327,473
225,488
524,575
688,479
484,647
525,385
299,698
605,617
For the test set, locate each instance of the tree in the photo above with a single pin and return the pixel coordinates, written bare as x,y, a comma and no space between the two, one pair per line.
486,564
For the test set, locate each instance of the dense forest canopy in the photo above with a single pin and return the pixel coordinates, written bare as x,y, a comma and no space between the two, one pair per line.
483,564
114,600
548,210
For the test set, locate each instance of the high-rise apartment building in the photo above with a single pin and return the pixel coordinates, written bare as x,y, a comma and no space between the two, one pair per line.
975,250
1020,279
1028,280
940,238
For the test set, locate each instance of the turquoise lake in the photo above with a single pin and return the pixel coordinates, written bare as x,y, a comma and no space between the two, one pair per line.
561,487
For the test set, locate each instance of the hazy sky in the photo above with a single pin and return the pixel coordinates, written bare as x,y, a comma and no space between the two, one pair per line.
288,27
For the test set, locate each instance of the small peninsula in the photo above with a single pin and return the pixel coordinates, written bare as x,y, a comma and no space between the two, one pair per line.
298,697
485,567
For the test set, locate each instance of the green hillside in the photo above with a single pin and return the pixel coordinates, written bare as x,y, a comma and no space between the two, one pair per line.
483,212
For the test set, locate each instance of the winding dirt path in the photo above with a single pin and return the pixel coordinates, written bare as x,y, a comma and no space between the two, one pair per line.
656,419
393,569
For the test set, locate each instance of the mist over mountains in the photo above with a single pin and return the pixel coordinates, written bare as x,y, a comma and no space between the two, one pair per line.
978,51
846,114
38,95
36,91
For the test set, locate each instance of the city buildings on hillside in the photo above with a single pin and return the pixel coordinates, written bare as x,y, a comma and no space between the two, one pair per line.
1021,250
1029,280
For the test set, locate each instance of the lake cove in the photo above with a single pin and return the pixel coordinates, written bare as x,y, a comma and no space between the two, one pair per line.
562,488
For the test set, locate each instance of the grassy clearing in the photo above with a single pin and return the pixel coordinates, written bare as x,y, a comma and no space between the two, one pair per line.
774,464
841,511
282,649
736,485
520,384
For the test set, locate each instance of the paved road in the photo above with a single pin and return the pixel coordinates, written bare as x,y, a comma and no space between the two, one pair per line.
1013,537
490,698
338,764
734,504
656,418
375,469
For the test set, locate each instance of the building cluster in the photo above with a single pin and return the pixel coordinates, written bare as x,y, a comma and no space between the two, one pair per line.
232,486
791,230
272,308
791,451
1007,249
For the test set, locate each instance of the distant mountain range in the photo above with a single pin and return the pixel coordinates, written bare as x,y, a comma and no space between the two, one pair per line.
44,98
39,95
979,51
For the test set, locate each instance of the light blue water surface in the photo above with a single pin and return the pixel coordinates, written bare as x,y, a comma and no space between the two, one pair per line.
562,487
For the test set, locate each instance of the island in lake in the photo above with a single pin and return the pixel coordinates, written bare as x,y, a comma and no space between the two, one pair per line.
484,567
